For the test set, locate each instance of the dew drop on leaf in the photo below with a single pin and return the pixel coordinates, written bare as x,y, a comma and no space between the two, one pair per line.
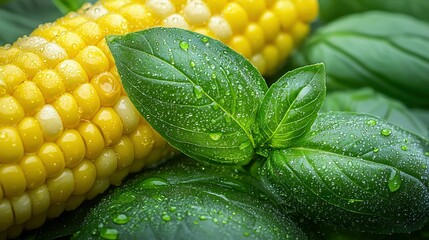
215,106
121,219
403,147
166,218
394,182
153,182
198,91
371,122
215,136
427,154
376,150
385,132
109,233
184,45
204,39
192,64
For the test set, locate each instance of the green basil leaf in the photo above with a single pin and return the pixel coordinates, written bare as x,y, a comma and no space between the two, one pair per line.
290,106
200,95
188,199
333,9
355,171
386,51
366,100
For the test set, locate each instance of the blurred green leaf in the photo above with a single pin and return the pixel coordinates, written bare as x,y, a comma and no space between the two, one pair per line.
66,6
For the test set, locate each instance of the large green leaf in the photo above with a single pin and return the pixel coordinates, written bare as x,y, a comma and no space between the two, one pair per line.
386,51
368,101
354,171
333,9
290,106
188,199
195,91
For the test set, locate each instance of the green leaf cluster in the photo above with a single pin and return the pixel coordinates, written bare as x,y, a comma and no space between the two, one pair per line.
345,169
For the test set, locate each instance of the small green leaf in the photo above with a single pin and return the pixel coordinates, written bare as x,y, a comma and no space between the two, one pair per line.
349,172
200,95
290,106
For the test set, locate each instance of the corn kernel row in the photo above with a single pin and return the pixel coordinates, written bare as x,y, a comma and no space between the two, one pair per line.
67,128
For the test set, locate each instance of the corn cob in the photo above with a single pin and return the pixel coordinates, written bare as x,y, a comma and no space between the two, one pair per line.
68,129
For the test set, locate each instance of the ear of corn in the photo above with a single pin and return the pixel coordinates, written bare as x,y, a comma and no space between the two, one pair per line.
67,128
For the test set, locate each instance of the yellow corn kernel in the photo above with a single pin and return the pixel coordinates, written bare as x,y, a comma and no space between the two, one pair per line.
6,219
117,177
11,147
271,56
48,31
92,60
107,87
29,97
50,84
110,125
196,12
55,209
12,76
235,15
31,43
241,45
90,32
52,158
100,185
284,44
307,9
72,20
102,45
84,177
176,20
8,53
70,42
93,139
29,62
128,114
270,24
216,6
12,180
299,31
255,35
21,208
259,62
124,150
144,138
138,17
35,222
286,8
113,23
72,74
11,112
253,8
72,146
115,4
61,186
68,110
52,54
220,28
161,8
34,171
40,199
87,99
74,202
31,134
106,163
50,122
